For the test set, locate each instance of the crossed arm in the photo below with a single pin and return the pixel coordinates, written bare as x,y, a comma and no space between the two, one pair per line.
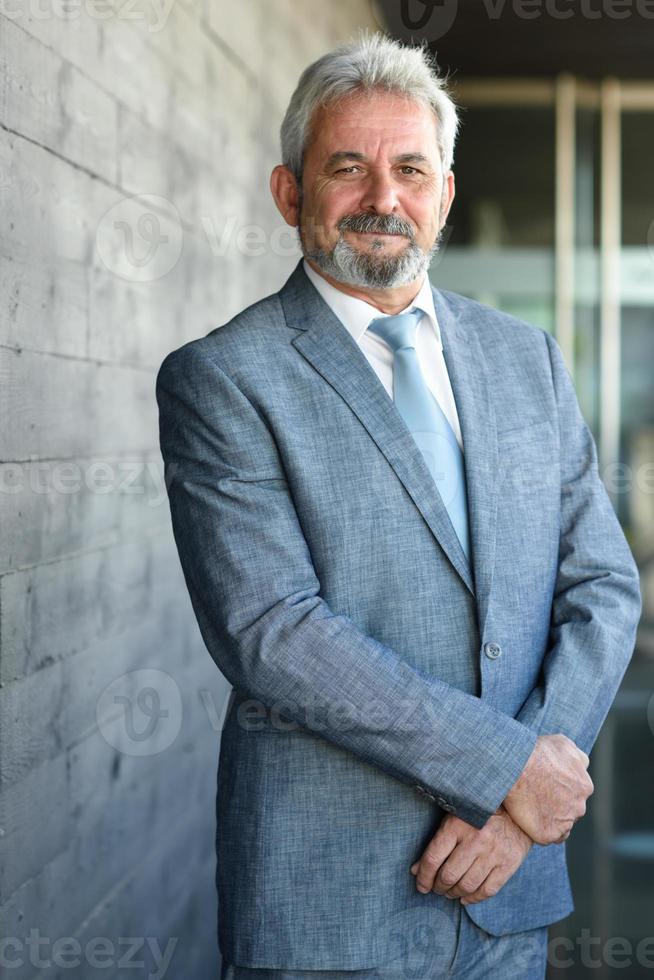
256,598
463,862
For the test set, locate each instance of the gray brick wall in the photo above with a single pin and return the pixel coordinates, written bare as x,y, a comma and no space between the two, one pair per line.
136,141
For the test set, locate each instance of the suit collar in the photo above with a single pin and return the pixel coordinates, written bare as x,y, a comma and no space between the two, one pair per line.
322,339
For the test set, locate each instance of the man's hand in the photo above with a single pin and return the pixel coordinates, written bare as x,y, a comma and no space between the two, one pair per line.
464,862
550,794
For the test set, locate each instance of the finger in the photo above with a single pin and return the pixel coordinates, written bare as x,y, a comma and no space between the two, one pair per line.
472,879
454,868
566,829
438,849
489,887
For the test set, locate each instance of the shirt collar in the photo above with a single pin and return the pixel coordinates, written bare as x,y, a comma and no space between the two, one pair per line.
356,314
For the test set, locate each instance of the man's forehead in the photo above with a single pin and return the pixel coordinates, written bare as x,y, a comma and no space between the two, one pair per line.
362,108
355,127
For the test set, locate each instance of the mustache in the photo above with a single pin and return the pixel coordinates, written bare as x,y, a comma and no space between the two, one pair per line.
385,224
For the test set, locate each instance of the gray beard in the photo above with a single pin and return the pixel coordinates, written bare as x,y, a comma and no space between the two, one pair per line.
372,270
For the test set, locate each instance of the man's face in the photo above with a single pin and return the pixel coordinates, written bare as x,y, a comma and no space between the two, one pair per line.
374,195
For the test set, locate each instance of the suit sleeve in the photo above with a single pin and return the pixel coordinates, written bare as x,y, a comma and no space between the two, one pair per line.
596,603
257,600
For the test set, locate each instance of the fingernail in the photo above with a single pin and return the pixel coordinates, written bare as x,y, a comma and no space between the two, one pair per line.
464,901
414,868
423,889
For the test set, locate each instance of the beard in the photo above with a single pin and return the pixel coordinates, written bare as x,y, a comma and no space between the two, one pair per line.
372,269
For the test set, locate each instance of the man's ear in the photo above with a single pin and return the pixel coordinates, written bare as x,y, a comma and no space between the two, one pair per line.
283,186
447,196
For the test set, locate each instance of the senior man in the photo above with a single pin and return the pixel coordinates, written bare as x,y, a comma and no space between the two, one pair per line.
401,555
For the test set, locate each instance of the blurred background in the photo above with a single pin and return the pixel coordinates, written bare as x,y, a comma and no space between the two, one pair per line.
136,142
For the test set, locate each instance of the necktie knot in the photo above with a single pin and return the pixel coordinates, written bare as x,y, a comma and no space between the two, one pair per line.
398,331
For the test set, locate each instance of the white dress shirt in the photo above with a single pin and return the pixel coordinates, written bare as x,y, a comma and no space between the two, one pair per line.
356,316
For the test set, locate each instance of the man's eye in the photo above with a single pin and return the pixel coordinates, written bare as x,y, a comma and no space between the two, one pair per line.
412,170
347,170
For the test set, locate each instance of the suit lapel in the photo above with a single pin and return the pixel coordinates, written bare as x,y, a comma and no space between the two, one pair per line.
474,396
327,345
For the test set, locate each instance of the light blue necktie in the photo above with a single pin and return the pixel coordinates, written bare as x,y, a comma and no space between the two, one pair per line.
425,419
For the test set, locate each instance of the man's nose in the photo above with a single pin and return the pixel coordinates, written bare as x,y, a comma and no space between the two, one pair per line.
380,194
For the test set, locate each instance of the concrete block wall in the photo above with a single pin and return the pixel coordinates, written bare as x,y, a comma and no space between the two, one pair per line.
136,142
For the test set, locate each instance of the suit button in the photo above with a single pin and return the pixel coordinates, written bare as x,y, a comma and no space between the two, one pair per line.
444,805
492,650
425,792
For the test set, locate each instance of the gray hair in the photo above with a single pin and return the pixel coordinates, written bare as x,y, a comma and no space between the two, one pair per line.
374,61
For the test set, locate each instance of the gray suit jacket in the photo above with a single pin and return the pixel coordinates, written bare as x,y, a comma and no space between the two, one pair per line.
378,679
